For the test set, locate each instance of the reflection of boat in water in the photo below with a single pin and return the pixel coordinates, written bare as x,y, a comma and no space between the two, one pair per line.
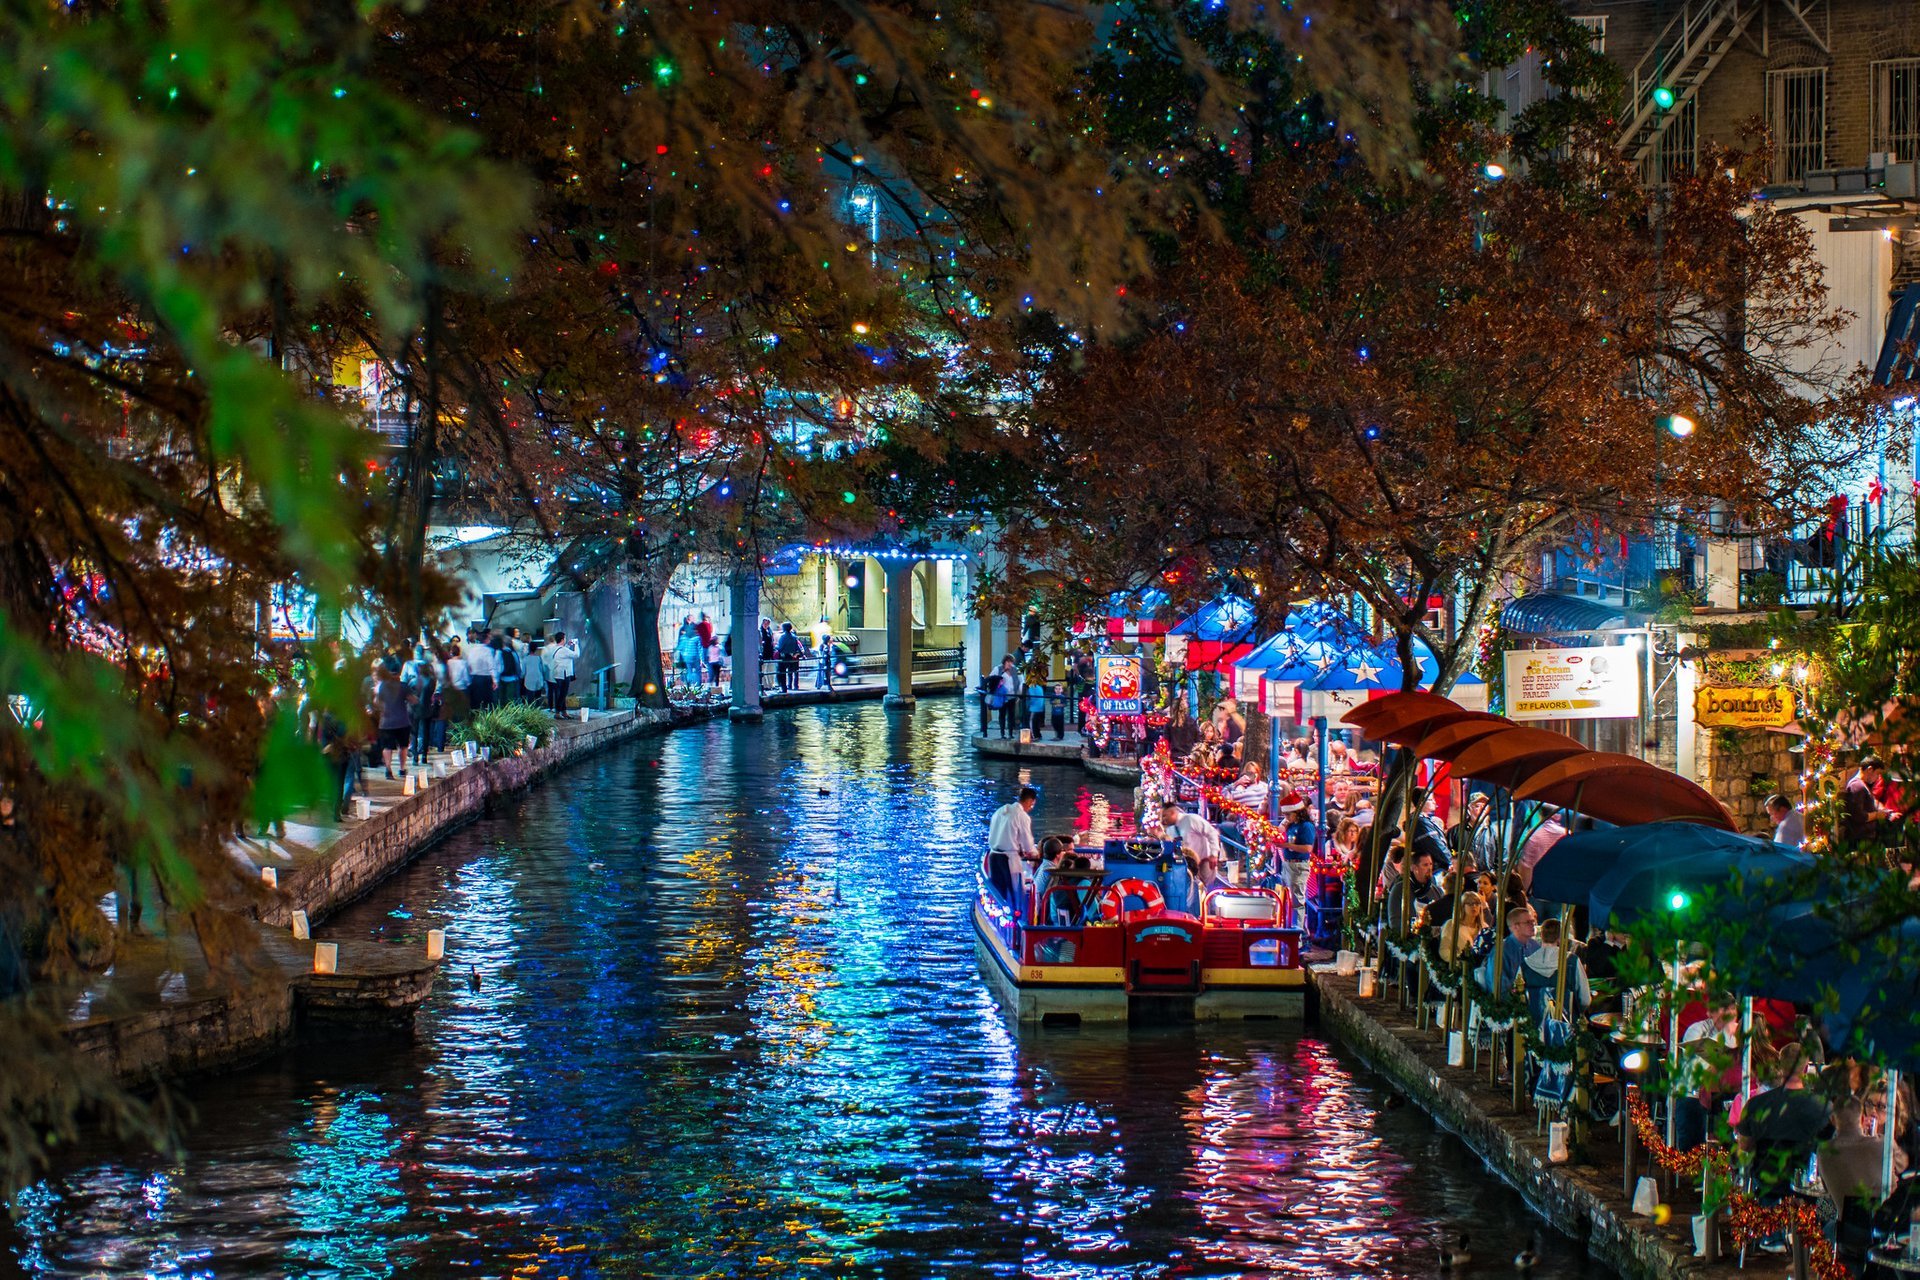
1103,945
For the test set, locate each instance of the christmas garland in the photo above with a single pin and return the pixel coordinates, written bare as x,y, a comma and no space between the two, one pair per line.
1505,1012
1264,838
1746,1217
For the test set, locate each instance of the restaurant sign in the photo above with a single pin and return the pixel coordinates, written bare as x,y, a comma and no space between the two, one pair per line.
1717,707
1117,685
1596,683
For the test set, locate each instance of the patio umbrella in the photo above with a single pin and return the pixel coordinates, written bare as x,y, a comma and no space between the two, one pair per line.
1650,884
1573,868
1364,674
1622,789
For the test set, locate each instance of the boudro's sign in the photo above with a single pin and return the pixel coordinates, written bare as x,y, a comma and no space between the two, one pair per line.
1600,683
1716,707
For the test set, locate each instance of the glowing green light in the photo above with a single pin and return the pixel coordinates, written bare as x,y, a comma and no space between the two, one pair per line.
663,70
1678,900
849,497
1663,98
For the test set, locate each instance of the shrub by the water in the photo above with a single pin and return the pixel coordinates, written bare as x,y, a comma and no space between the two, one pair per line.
505,728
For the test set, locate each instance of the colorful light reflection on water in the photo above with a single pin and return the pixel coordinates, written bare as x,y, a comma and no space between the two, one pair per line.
729,1025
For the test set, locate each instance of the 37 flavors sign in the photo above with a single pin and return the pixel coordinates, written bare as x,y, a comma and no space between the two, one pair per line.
1595,683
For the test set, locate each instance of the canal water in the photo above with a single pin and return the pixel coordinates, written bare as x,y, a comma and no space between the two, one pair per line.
728,1024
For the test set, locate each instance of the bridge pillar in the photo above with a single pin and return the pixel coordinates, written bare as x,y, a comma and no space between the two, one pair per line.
899,579
744,630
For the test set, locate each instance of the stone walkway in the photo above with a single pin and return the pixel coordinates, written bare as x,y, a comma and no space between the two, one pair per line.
307,837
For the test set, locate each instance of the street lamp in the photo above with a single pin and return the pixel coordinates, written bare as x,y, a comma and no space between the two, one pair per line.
1679,425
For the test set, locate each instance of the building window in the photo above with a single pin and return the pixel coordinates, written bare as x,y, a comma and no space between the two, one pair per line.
1896,108
1797,118
1596,23
1679,148
855,583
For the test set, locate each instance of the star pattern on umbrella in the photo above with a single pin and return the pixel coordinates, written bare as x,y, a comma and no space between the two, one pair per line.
1364,671
1323,663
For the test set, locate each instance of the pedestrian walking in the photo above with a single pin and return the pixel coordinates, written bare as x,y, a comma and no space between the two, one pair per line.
788,650
716,659
688,654
437,712
481,672
989,695
456,704
1082,684
823,675
420,680
1010,689
393,705
560,661
506,676
533,674
1036,716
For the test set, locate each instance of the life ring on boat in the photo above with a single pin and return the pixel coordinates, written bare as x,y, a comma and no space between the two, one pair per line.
1113,903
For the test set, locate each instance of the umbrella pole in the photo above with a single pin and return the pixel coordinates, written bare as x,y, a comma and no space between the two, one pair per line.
1560,974
1673,1045
1886,1133
1746,1051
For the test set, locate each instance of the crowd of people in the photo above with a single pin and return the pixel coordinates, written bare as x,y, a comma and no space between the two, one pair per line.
408,698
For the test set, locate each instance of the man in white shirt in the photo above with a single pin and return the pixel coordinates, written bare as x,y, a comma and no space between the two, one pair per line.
482,670
1195,834
1010,842
560,660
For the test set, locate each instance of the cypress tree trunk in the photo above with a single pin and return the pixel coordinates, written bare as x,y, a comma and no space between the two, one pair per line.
643,604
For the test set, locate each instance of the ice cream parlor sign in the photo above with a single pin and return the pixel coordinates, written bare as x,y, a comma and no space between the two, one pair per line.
1572,684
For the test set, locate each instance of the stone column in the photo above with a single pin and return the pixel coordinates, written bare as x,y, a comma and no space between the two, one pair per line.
899,579
744,598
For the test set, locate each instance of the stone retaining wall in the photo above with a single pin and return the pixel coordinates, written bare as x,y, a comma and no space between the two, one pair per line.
228,1027
1578,1201
189,1038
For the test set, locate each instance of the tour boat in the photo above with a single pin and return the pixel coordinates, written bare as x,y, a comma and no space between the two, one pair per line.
1104,946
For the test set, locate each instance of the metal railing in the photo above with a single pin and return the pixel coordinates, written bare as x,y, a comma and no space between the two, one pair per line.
857,669
603,686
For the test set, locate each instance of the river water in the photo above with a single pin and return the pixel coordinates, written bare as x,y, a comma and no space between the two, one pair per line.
728,1024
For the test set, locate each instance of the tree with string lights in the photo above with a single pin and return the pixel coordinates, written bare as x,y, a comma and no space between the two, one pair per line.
789,254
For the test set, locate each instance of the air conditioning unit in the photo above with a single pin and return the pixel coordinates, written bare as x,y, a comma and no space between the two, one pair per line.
1902,180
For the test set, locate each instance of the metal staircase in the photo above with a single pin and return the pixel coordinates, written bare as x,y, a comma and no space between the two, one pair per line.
1899,357
1680,59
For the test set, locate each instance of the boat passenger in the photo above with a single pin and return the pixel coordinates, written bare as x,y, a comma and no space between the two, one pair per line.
1010,845
1249,788
1206,753
1052,849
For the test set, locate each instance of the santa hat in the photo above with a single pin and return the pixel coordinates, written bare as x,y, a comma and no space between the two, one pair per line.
1292,802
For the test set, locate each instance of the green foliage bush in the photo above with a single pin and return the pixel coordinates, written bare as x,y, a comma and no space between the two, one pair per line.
505,728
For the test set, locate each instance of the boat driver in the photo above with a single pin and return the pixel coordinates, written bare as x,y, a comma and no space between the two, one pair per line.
1200,840
1010,845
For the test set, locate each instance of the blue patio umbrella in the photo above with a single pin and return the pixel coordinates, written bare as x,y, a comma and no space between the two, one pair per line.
1642,887
1574,867
1362,672
1861,982
1226,618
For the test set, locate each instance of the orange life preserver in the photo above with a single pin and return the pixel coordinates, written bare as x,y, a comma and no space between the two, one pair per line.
1113,903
